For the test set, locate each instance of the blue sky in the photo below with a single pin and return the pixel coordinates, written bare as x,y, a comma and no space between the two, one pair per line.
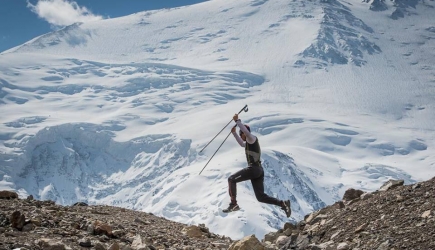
22,20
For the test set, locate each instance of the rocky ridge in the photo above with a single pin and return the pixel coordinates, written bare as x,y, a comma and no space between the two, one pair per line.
395,217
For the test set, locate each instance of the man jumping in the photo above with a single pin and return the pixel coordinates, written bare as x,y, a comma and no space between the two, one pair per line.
253,172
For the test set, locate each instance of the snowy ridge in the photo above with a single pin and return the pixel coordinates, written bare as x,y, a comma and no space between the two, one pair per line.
168,36
116,111
341,38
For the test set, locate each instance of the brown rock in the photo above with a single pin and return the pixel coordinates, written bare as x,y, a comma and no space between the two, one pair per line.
114,246
5,194
289,225
102,228
99,246
193,231
352,194
247,243
17,220
339,205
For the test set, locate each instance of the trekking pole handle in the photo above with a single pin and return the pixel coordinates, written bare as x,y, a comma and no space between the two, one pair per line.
244,109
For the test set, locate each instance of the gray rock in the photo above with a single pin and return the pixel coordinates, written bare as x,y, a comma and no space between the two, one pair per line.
343,246
86,242
50,244
366,196
391,184
28,227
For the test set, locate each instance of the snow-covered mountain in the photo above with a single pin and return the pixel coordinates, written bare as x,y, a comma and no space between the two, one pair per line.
340,95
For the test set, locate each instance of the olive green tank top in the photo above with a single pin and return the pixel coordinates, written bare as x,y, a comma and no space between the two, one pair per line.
253,153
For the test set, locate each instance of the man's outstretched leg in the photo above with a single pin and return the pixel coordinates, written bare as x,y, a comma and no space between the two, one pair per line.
258,185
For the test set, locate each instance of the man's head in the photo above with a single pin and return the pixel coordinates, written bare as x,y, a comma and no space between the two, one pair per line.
242,135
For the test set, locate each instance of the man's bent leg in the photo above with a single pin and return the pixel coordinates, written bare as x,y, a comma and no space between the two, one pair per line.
242,175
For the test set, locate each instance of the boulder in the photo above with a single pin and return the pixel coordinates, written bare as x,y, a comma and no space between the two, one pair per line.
247,243
281,240
139,243
5,194
49,244
426,214
352,194
391,184
17,220
289,225
193,231
102,228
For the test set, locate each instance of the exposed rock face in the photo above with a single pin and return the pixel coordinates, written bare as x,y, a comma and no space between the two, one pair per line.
42,225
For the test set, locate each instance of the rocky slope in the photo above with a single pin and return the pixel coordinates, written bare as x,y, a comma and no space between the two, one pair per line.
33,224
393,217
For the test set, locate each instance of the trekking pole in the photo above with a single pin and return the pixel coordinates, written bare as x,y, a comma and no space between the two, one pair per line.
217,150
243,109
